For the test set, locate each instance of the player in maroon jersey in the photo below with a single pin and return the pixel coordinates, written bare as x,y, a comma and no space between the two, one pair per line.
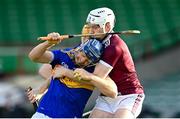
116,62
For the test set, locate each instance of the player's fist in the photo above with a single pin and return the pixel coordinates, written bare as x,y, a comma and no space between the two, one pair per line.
31,94
85,30
59,71
54,38
81,74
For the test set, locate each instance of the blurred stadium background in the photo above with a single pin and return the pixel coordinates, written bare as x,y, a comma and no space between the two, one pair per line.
156,51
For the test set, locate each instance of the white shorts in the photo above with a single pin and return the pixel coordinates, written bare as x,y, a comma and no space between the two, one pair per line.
38,115
132,102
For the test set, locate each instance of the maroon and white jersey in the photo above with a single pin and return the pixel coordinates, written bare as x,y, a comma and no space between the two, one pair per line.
117,56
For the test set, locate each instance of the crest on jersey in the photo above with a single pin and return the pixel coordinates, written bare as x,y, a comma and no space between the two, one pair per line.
64,64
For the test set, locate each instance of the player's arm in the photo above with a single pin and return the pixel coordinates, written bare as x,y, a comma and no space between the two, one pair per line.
105,86
44,86
35,94
45,71
40,53
102,69
60,71
108,61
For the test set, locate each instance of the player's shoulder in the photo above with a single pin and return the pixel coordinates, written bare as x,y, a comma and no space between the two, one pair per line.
61,54
115,39
113,45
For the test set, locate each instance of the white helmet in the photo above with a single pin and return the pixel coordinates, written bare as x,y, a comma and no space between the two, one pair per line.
101,16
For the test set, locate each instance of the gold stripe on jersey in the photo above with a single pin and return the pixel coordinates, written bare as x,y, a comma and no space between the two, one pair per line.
74,84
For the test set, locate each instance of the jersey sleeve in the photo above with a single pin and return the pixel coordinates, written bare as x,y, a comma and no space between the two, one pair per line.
56,57
111,54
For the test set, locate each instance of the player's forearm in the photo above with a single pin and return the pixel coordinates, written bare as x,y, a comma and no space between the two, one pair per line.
105,86
44,86
37,52
45,71
69,73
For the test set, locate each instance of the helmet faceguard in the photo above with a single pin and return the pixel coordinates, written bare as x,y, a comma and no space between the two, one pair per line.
101,16
93,50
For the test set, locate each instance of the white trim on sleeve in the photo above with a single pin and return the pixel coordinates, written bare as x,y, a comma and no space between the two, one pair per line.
52,57
106,64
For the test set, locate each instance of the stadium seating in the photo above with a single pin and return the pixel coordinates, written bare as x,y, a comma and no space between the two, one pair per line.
22,21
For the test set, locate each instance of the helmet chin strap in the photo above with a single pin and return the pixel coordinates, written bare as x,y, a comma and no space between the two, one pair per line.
80,66
83,65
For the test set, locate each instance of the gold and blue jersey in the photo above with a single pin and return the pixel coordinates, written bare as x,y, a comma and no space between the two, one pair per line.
65,98
74,84
62,58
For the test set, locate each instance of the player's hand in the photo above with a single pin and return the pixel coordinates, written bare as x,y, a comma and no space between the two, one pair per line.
54,38
85,30
31,94
81,74
59,71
